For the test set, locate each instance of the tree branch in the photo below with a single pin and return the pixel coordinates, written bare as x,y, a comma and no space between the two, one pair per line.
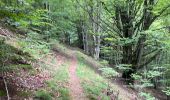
110,28
165,27
150,59
160,13
144,55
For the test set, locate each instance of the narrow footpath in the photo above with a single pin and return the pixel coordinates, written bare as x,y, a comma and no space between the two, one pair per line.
76,91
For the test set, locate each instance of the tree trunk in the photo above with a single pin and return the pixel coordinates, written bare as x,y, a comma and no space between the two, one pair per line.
80,32
133,53
96,47
95,20
85,40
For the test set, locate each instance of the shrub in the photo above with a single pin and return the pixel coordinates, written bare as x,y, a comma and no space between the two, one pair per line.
43,95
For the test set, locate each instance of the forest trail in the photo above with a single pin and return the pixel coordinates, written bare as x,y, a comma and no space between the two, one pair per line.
76,91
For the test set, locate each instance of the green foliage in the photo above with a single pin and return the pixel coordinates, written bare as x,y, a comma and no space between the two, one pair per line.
34,45
124,67
137,77
104,62
11,57
127,41
167,91
2,93
59,80
153,74
43,25
92,85
15,67
145,78
160,5
5,51
147,96
43,95
52,84
25,15
108,72
24,93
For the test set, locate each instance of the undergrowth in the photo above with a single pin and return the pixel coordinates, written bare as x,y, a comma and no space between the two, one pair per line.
43,95
58,83
2,93
12,58
34,45
92,83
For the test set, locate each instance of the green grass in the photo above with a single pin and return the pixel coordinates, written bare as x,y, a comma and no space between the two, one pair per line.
92,83
24,93
36,48
2,93
58,82
43,95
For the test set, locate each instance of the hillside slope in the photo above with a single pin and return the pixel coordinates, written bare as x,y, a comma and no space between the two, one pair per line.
51,71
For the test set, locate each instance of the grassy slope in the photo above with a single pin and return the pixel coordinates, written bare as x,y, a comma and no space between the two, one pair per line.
93,83
38,51
58,83
56,86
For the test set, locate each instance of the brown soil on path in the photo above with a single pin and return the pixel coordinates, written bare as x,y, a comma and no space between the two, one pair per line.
76,91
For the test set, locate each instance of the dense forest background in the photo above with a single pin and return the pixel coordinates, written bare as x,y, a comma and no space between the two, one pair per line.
130,36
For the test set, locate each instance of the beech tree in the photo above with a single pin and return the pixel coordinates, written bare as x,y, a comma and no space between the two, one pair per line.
131,19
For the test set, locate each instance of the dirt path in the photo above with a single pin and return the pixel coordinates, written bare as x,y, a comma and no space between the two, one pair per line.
76,91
